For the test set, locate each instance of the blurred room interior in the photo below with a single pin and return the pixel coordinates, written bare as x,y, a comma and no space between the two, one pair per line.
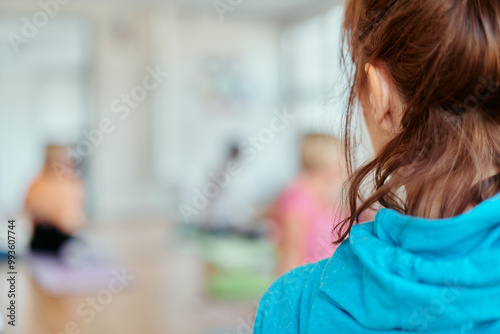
153,97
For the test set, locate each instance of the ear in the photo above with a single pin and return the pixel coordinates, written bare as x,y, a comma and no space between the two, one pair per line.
383,111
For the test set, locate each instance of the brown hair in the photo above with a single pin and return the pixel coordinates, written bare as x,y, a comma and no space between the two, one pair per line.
443,57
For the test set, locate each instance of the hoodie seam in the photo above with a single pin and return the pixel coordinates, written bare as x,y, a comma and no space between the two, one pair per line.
385,213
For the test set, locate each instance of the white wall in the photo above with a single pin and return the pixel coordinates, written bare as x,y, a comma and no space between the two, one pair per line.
171,140
192,134
44,99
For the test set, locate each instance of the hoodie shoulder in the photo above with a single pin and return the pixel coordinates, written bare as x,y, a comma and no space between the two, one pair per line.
285,306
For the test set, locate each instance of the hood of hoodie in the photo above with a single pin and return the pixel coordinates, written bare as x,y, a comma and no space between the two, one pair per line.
420,275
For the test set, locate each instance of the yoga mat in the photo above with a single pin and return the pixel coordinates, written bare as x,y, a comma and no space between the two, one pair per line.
57,278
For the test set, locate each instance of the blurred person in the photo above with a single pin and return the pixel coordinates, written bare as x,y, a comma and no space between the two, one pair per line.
306,211
230,208
55,203
427,78
61,262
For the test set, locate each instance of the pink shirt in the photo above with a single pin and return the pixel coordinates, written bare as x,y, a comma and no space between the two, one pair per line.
320,220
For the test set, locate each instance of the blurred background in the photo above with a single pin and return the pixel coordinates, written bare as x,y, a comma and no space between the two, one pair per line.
184,120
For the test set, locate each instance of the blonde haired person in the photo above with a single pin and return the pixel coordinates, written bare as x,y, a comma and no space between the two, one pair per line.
305,213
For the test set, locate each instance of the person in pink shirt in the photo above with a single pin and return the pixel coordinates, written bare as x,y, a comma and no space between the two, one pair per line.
306,213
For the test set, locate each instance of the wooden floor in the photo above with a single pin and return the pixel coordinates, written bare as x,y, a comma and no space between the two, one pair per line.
166,296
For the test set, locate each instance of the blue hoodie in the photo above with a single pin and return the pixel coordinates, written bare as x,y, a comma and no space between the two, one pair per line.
398,274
